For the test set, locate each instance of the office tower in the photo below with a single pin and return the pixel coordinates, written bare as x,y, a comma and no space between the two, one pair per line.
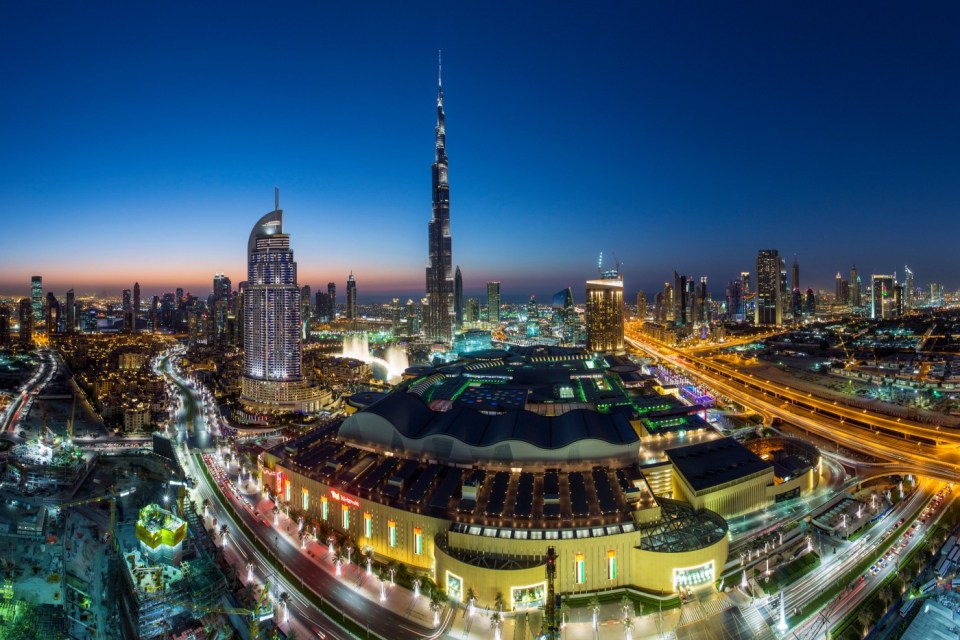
136,307
745,280
493,302
4,325
351,297
769,301
533,318
795,279
26,322
796,295
439,308
679,299
70,312
701,308
936,294
605,312
155,314
908,285
838,289
306,312
271,313
881,297
856,292
332,295
458,300
810,307
395,316
667,307
564,314
222,288
471,310
641,306
36,301
52,314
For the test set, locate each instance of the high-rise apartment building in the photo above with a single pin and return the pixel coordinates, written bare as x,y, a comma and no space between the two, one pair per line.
908,288
126,308
71,312
306,312
53,316
4,325
769,299
272,377
332,295
439,319
493,302
36,300
641,306
605,313
351,297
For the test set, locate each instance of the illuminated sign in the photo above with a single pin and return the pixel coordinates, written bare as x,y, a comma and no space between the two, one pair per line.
306,499
279,482
346,516
611,565
580,569
339,497
367,524
392,532
287,490
324,513
417,540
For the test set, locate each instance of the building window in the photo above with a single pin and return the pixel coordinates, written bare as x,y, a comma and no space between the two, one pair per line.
346,516
454,587
306,499
580,569
392,533
367,525
324,512
418,540
611,565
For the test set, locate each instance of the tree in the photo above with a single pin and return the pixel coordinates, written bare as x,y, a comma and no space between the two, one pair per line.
866,621
626,605
498,601
284,600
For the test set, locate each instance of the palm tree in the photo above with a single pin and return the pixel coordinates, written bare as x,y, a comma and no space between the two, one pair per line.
886,595
866,621
284,600
437,596
626,605
498,602
471,599
564,612
496,622
627,627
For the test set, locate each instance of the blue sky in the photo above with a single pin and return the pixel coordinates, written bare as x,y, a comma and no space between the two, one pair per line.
142,140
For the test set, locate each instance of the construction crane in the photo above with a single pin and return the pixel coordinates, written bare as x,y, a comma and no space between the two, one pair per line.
113,495
253,615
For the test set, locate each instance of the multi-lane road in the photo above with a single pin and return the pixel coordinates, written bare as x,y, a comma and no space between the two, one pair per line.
242,523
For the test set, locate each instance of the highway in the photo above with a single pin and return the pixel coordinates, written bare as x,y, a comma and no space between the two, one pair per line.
338,591
925,459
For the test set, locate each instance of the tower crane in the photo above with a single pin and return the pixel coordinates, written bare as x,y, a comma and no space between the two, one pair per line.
253,614
113,495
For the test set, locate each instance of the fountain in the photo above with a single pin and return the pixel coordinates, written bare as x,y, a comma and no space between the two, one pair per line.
743,581
416,588
782,625
859,510
369,566
383,590
338,566
300,523
392,365
767,569
809,544
249,571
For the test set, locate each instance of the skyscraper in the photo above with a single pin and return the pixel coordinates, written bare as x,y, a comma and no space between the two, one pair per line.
332,295
126,307
52,314
439,319
769,301
908,285
533,318
458,300
641,306
4,325
856,294
155,314
136,307
605,312
36,300
882,297
493,302
272,363
351,297
26,322
71,312
395,316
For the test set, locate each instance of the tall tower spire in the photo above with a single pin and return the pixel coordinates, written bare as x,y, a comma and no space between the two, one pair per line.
440,312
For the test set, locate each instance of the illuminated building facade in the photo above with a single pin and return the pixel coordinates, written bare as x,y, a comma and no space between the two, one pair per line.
605,313
439,318
493,302
882,302
26,323
351,297
769,299
36,299
272,378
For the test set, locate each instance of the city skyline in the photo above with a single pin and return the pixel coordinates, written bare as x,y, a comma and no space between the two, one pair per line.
812,150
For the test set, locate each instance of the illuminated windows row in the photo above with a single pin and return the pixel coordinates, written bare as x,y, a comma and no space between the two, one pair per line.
580,567
367,522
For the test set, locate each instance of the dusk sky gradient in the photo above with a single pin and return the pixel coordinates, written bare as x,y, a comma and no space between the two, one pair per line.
142,140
